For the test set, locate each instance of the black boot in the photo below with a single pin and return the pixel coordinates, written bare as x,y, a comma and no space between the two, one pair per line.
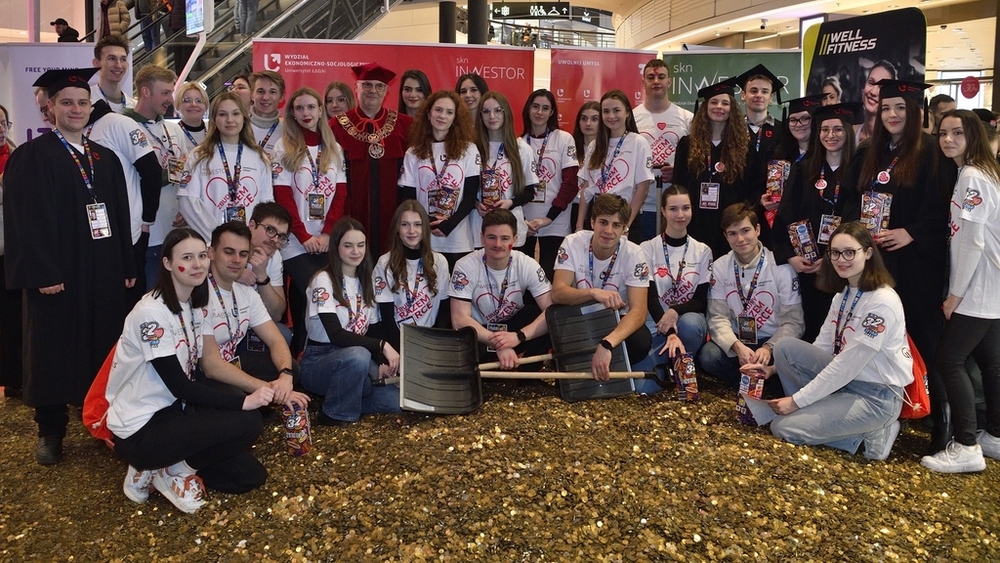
941,432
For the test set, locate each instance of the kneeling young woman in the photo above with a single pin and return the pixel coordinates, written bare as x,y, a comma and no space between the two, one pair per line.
178,434
846,388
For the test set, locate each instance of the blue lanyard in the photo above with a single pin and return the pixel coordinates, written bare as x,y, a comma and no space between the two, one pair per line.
674,282
745,300
821,186
606,274
411,295
87,175
503,286
192,342
233,191
222,302
607,166
838,332
314,165
269,133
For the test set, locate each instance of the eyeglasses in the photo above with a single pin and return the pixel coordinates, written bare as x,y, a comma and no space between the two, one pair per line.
847,254
494,111
273,233
835,131
377,86
800,120
536,107
197,101
6,124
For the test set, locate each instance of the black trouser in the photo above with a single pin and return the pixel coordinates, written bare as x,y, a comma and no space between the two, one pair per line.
214,442
301,270
52,420
548,249
135,293
964,335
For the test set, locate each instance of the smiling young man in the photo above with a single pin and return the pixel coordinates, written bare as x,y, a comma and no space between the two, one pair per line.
759,85
253,350
663,124
68,245
111,56
267,91
752,303
603,266
488,290
155,86
269,229
374,142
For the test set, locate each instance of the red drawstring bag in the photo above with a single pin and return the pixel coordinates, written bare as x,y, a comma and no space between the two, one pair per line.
916,401
95,405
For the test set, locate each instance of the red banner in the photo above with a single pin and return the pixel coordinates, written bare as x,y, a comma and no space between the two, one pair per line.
583,75
315,63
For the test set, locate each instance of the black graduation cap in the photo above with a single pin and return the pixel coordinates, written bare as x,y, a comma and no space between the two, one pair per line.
805,103
727,86
889,88
761,71
853,112
56,79
987,117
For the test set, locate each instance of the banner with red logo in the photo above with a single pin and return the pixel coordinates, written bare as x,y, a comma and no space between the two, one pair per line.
315,63
584,75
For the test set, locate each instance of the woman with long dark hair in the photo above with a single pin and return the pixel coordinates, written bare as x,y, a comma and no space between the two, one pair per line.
971,309
471,87
897,194
813,194
346,358
618,162
179,435
414,87
553,152
338,98
588,121
881,70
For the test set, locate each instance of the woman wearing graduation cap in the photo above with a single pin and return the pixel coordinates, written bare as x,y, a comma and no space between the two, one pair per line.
714,163
892,186
812,194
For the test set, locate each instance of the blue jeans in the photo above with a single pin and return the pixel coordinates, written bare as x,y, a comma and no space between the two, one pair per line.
150,32
647,222
248,16
715,362
839,420
341,376
691,329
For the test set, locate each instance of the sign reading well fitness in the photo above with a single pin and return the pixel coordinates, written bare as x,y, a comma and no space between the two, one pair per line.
692,70
584,75
308,62
526,10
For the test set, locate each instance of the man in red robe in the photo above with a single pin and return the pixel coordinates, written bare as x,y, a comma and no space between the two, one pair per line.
374,142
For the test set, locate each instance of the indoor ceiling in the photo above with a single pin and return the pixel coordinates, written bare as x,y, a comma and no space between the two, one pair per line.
960,33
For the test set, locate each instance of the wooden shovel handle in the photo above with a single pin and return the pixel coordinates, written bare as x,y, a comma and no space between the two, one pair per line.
526,360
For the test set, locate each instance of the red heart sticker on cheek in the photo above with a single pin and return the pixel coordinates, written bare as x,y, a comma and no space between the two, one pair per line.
180,269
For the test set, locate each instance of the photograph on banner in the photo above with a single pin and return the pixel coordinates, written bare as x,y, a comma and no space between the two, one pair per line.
847,57
690,71
20,67
584,75
316,63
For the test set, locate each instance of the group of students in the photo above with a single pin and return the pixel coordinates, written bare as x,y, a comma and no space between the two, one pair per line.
477,200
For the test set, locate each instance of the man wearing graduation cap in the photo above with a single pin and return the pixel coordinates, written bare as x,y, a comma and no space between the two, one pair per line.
72,255
374,143
758,86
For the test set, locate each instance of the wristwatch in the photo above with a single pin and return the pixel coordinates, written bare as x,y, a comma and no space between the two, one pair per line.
266,281
286,370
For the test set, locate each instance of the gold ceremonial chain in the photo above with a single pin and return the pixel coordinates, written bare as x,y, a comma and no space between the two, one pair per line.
375,147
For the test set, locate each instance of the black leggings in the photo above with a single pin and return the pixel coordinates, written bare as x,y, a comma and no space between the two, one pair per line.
214,442
548,250
964,335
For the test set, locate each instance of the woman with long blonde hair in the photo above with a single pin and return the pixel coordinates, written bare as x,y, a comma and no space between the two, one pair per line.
311,184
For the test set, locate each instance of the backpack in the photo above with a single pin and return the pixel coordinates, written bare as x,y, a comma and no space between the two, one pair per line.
95,405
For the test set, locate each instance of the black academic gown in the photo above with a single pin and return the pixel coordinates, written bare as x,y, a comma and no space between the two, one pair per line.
801,200
48,242
921,267
705,223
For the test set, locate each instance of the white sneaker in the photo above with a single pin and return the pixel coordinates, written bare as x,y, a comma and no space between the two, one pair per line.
956,458
879,443
989,443
184,491
136,484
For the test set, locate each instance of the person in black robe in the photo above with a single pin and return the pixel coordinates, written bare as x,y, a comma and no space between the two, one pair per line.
900,160
68,245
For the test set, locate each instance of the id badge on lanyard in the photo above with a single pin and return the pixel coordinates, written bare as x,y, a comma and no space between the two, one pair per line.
747,329
317,206
97,216
709,198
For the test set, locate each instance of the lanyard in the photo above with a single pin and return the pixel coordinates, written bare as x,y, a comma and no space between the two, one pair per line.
236,309
606,274
269,133
712,170
745,300
352,315
167,146
314,165
493,169
411,295
192,342
675,281
229,177
189,136
87,176
821,186
438,176
607,166
105,96
838,332
760,131
503,286
545,141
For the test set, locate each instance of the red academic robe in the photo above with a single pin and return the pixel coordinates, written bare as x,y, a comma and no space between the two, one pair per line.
371,183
